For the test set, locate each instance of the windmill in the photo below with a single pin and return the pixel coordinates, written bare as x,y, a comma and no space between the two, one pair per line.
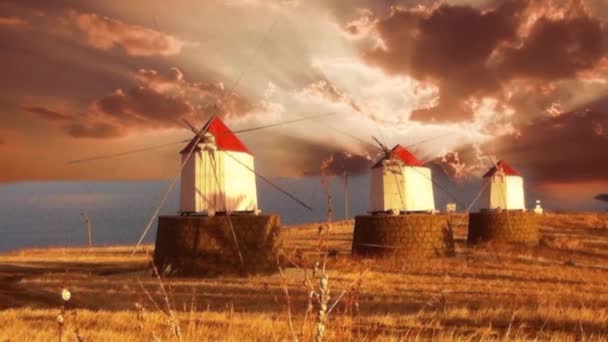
400,183
212,180
219,222
402,220
401,187
503,188
503,217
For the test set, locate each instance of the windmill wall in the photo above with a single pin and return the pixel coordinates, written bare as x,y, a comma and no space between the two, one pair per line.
504,226
503,192
401,188
211,174
204,246
412,236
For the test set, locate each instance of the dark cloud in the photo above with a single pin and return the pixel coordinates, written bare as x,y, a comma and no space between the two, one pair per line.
563,149
602,197
462,166
45,113
569,148
93,130
474,52
144,106
556,49
301,157
156,101
76,125
173,84
345,162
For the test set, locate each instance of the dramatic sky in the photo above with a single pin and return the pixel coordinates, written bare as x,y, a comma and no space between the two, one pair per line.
467,81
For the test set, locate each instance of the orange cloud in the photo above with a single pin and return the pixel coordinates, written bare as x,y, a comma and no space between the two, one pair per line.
156,101
12,22
45,113
106,33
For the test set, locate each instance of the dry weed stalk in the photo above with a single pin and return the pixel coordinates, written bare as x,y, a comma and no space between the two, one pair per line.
316,282
60,319
60,322
140,316
312,296
172,319
323,294
288,304
323,301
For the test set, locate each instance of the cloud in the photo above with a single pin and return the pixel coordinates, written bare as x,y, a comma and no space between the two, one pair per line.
562,149
172,83
45,113
276,5
552,150
303,156
76,125
462,170
351,86
345,162
105,33
155,101
93,130
13,22
602,197
555,49
143,106
470,53
326,91
362,26
161,100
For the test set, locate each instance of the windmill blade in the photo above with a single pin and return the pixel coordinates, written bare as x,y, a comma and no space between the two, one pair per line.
156,147
126,153
285,192
354,137
430,139
384,147
199,136
313,117
192,128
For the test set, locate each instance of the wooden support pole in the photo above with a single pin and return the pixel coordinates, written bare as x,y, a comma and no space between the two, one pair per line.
87,221
345,195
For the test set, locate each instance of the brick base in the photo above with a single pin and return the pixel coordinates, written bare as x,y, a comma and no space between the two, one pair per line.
204,246
504,227
411,236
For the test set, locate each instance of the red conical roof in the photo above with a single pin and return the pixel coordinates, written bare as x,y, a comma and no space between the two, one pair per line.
401,153
225,139
506,169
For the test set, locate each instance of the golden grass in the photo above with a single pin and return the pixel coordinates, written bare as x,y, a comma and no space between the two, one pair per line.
496,293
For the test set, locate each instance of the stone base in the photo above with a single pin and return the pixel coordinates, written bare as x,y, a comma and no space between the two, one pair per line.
411,236
204,245
504,227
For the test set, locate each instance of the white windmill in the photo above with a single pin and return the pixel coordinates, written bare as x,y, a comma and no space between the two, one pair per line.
503,188
217,172
218,176
400,183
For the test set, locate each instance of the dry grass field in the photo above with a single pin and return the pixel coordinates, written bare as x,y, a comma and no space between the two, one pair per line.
554,292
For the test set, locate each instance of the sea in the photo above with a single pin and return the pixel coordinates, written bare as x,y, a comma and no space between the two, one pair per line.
44,214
